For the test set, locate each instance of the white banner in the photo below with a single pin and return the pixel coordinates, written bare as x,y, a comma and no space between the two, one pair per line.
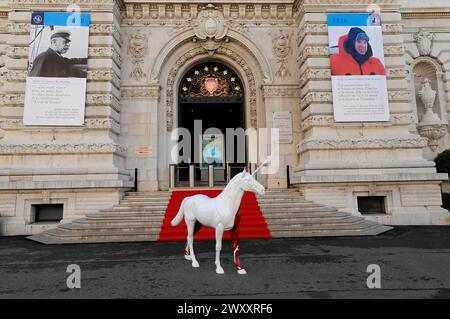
357,68
57,69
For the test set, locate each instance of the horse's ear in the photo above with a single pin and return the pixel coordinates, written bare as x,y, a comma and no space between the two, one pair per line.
245,170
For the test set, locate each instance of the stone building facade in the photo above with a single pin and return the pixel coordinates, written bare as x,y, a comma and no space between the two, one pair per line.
139,52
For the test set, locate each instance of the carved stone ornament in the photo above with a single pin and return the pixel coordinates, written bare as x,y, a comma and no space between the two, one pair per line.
210,24
281,48
424,41
430,125
210,28
138,48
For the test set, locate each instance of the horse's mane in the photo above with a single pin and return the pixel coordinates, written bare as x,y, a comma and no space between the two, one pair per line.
233,181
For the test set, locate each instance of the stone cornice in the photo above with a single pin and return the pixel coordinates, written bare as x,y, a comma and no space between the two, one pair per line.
301,6
178,13
94,5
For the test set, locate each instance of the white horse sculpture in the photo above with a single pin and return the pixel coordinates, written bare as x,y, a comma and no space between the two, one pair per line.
218,213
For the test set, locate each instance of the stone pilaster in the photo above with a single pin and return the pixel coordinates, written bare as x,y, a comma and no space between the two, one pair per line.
283,98
139,132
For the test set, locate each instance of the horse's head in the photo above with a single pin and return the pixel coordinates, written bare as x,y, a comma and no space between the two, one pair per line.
249,184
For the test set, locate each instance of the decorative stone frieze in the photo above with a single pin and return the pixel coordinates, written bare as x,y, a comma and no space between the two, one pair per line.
67,148
139,92
316,97
17,52
360,142
317,120
399,96
281,91
16,76
394,50
328,121
281,49
138,48
12,99
314,74
90,123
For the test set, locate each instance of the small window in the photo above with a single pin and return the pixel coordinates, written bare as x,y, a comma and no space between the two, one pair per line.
48,213
372,204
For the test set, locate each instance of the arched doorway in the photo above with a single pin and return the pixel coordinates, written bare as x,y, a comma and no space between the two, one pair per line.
211,103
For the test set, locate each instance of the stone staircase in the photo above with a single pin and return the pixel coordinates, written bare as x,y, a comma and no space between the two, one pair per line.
288,214
139,216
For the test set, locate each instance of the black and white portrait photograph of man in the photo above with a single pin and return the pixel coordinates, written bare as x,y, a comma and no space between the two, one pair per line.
55,59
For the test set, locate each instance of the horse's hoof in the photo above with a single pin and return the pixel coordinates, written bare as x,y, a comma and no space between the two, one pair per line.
195,265
219,271
187,257
241,272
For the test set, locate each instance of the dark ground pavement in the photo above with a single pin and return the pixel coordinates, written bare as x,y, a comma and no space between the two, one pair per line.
414,262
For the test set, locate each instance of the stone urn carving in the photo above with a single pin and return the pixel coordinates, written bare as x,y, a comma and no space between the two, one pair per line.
424,41
430,125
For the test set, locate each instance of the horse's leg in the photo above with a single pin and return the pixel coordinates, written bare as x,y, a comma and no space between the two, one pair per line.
190,238
219,234
235,242
187,252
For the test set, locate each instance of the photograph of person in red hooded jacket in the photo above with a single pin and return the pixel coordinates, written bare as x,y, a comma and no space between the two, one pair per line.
355,56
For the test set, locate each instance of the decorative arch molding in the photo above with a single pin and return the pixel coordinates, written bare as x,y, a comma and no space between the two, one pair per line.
188,35
222,54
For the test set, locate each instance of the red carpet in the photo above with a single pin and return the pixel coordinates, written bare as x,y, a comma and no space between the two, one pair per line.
253,224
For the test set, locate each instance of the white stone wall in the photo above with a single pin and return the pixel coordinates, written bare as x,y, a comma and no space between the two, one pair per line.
139,50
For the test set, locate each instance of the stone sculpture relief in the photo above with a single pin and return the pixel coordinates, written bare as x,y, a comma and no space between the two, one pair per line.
281,50
424,42
210,29
430,125
138,48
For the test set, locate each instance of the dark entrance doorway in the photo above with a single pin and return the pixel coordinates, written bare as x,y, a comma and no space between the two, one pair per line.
213,94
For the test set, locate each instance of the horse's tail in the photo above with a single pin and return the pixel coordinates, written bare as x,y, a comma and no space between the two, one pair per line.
179,215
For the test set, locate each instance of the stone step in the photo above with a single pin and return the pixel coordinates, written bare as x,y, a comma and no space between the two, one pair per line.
283,200
350,221
296,210
319,227
135,209
292,205
122,215
68,234
141,203
101,221
52,240
107,228
368,231
287,215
